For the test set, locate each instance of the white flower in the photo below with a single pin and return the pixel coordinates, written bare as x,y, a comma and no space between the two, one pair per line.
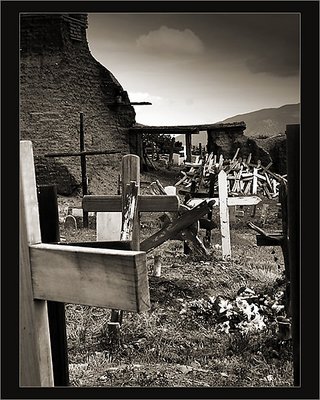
224,306
212,299
258,322
224,327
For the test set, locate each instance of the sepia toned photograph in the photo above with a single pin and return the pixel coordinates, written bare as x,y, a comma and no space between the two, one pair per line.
159,199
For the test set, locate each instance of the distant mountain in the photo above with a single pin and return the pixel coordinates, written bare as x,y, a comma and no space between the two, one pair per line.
268,121
262,123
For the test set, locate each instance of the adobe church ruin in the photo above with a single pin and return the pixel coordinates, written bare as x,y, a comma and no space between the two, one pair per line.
59,78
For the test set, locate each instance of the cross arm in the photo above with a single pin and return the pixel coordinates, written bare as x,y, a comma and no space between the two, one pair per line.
90,276
146,203
82,153
231,201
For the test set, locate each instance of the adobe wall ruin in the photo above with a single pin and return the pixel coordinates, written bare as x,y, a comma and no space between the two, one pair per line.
59,78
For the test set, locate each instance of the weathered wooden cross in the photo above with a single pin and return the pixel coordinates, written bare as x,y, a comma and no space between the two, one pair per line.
224,202
69,274
82,154
145,203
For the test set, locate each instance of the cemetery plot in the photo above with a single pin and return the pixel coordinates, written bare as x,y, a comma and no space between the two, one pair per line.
208,312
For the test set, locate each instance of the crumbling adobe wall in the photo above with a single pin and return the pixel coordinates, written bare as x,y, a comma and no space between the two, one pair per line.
276,146
226,141
59,79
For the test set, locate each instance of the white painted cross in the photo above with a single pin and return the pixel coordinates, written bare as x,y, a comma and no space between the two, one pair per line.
69,274
224,202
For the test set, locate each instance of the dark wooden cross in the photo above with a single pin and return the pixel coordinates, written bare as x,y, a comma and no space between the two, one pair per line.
82,154
67,274
289,239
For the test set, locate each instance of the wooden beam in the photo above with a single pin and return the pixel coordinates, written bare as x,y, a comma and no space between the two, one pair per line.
233,126
159,130
34,338
130,172
188,147
90,276
82,153
49,224
172,229
224,214
110,244
231,201
146,203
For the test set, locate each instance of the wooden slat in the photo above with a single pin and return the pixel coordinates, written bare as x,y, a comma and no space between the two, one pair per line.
35,353
255,181
146,203
95,277
231,201
129,211
110,244
224,215
176,226
82,153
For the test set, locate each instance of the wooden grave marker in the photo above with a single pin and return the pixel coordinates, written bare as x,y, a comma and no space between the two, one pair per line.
178,230
145,203
224,202
68,274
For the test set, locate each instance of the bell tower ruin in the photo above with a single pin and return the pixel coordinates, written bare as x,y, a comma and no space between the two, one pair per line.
59,79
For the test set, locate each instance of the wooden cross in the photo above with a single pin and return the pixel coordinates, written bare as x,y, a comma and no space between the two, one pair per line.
69,274
145,203
224,202
82,154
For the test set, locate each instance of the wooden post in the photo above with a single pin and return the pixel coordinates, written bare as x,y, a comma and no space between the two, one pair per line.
232,214
157,265
35,354
224,214
293,170
83,171
255,181
130,172
283,198
171,152
211,194
49,224
188,147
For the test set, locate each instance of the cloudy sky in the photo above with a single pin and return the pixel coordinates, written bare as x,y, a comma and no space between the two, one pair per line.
200,68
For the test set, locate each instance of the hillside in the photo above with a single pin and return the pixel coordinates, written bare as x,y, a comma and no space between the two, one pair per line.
261,123
268,121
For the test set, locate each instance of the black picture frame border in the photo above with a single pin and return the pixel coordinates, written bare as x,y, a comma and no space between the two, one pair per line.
309,11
